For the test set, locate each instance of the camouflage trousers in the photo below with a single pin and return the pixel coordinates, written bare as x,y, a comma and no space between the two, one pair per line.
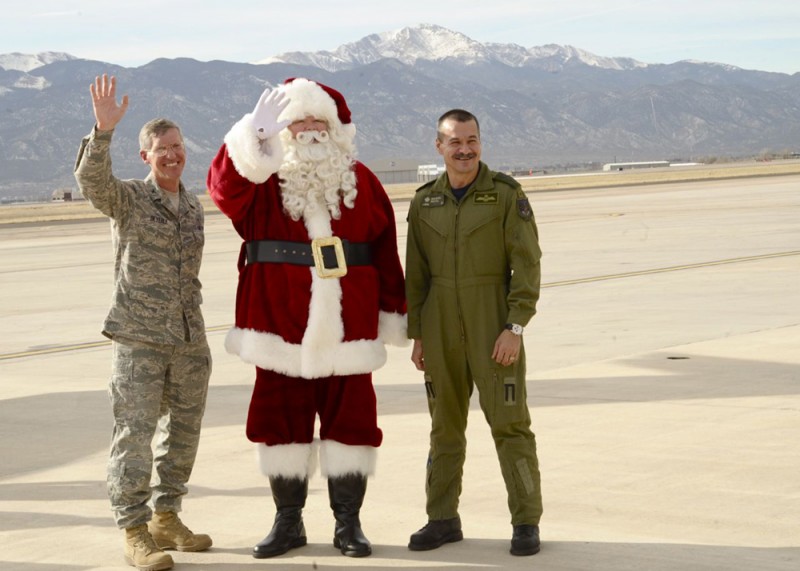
158,397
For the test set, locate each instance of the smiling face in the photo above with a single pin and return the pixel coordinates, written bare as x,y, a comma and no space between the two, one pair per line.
460,145
168,168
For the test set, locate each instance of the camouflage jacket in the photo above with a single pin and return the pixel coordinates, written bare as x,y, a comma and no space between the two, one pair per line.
157,253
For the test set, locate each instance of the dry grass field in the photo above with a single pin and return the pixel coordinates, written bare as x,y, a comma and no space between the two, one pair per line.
52,212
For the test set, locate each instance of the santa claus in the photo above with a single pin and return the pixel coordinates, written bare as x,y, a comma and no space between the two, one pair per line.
320,293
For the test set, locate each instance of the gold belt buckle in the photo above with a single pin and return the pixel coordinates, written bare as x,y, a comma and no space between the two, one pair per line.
316,249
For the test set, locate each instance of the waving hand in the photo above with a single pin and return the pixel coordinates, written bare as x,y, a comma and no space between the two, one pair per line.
107,112
266,113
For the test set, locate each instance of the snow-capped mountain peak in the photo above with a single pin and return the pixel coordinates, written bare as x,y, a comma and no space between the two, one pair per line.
565,54
430,42
426,42
27,62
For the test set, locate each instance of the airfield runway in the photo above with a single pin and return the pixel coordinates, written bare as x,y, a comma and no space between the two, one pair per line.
664,386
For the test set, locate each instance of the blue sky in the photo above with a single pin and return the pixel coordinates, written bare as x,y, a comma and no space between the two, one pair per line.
752,34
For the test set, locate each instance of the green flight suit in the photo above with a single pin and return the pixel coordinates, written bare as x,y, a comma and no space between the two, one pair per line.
471,267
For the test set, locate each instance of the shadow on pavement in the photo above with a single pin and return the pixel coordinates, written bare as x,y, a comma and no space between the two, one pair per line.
493,554
48,430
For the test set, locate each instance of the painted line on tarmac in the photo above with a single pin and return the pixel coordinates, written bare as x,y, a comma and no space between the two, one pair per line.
671,269
81,346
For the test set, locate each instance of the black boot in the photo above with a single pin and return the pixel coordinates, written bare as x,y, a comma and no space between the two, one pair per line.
288,530
525,540
436,533
346,495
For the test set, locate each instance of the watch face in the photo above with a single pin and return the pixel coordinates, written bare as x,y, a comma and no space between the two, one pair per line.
514,328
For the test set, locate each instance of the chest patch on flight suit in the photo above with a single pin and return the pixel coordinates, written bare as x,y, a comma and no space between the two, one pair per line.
485,198
524,209
433,200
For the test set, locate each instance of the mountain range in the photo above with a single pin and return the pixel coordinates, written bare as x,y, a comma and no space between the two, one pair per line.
539,106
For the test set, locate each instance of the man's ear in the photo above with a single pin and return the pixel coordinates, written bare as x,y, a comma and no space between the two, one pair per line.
143,154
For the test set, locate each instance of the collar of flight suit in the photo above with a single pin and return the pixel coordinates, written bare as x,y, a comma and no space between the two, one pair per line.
484,181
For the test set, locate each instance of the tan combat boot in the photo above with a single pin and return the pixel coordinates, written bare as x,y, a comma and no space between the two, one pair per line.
142,552
169,532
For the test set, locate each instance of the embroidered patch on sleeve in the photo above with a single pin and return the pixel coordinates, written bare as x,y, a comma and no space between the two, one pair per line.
524,209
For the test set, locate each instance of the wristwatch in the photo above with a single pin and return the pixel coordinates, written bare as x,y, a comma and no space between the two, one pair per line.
514,328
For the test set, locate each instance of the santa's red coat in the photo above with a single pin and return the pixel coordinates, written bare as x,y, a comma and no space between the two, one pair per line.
288,319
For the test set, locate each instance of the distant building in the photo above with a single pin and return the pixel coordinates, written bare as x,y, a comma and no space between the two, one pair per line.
428,172
394,171
634,165
62,195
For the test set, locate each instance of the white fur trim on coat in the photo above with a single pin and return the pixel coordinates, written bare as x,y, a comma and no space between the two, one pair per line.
254,159
393,329
322,351
270,351
337,459
288,460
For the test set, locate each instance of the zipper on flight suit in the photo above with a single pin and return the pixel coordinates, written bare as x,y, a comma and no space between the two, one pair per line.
455,276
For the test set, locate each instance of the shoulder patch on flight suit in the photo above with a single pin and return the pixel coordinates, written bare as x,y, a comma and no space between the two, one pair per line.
484,197
524,209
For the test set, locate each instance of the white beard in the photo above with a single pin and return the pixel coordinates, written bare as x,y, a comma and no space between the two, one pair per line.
315,176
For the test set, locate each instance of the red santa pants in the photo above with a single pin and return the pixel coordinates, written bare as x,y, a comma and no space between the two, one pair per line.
283,410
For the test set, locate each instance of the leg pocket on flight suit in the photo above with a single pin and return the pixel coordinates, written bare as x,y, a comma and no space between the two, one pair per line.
510,401
430,391
512,409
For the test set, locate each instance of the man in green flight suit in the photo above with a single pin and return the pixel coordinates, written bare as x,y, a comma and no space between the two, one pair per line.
472,283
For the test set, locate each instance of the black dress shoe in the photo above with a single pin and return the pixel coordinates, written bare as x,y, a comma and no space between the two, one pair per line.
525,540
436,533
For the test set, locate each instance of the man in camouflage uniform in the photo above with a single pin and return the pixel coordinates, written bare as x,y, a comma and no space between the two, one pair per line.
472,283
161,360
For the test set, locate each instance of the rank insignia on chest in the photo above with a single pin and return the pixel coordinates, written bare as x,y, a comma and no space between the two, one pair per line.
433,200
485,198
524,209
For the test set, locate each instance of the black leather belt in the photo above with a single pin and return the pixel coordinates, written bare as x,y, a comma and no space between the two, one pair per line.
330,256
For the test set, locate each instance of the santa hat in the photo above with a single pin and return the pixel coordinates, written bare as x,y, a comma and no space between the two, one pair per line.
323,102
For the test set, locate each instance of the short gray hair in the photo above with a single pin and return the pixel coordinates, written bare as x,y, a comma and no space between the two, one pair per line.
155,128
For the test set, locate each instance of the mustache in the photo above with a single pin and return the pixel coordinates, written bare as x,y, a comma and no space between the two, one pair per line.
311,137
468,156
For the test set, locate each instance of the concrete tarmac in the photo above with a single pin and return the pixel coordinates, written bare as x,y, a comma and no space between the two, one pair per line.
663,380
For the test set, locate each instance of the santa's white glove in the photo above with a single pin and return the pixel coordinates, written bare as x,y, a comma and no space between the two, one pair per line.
265,116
